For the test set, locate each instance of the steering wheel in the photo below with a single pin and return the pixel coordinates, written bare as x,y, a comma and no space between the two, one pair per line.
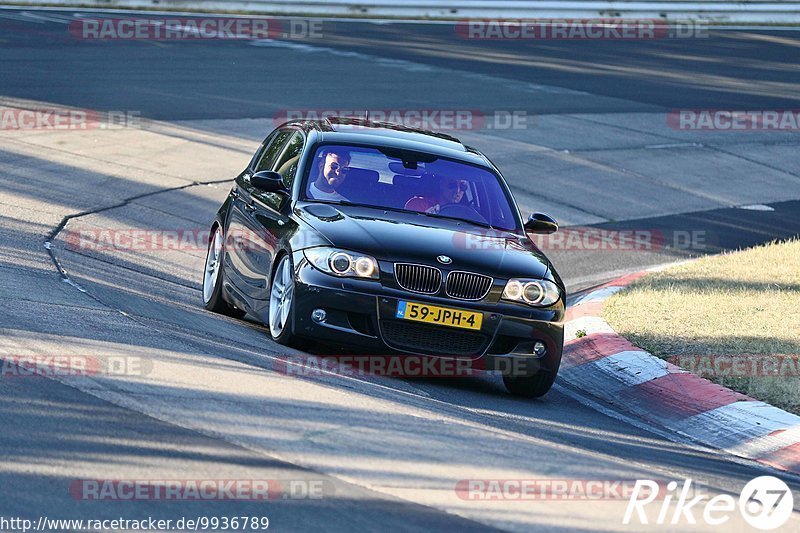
462,211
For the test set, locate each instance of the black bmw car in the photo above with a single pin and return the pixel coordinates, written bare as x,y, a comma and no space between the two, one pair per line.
389,239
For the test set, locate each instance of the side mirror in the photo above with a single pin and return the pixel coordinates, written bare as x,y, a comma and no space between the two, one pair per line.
268,181
541,224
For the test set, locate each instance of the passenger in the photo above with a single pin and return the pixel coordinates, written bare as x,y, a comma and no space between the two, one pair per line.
450,191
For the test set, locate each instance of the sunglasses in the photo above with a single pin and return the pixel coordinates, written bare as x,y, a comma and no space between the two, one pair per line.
461,185
336,167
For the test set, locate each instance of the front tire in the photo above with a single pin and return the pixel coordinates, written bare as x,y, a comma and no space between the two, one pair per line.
534,386
281,304
212,278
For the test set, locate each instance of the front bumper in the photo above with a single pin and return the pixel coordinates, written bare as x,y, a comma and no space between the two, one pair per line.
361,315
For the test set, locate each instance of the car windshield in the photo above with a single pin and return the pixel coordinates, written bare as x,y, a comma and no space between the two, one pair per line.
409,181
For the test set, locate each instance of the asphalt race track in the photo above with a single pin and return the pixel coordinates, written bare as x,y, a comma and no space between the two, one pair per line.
596,152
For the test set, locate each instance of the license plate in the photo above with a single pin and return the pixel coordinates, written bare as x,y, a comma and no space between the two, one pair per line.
443,316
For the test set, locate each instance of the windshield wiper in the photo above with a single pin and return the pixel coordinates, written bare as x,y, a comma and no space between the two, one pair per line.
368,206
401,210
475,222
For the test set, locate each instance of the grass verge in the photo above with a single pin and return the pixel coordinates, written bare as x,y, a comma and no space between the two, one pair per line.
732,318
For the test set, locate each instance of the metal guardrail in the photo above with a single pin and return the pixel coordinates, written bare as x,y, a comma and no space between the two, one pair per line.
760,11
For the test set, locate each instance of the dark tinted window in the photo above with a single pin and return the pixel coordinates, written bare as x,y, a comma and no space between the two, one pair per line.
286,165
274,150
434,186
260,152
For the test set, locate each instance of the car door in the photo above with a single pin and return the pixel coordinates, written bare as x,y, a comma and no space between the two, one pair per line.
248,244
270,214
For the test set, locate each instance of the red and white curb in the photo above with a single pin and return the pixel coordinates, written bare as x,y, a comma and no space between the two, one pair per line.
615,371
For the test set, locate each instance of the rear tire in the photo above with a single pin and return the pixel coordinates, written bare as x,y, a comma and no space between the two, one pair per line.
534,386
212,277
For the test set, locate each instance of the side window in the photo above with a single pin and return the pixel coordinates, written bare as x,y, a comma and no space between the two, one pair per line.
273,151
286,165
260,152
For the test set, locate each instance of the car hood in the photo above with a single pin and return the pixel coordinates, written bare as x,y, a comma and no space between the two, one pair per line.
412,237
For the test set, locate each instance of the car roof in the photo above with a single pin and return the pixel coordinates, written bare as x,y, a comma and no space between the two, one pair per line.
348,130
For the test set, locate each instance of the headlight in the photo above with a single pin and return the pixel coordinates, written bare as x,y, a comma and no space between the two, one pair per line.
535,292
342,263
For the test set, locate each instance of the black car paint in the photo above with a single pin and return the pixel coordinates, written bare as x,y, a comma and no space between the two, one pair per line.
276,223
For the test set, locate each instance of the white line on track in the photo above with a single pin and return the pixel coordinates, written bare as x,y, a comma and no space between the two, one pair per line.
383,21
17,16
412,66
42,19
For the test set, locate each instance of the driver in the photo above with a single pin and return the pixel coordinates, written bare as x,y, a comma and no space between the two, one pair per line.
331,173
450,191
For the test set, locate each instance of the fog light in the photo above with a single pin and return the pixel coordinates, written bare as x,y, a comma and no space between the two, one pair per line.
539,349
318,315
